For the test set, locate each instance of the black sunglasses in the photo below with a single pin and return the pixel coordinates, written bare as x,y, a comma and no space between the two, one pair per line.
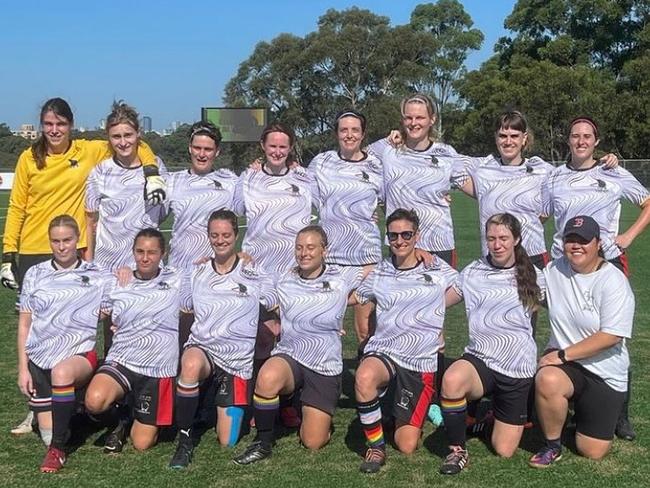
407,235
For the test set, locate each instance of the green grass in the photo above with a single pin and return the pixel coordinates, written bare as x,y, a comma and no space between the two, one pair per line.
337,463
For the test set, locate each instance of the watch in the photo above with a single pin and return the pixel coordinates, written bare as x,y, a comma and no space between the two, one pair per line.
561,353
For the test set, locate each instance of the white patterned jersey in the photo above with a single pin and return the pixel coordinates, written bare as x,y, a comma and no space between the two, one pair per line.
65,306
420,181
146,314
276,207
311,312
226,313
117,194
596,192
579,305
347,194
192,198
500,328
410,311
517,190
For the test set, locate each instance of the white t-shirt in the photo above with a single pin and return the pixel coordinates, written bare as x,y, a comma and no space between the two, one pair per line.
579,305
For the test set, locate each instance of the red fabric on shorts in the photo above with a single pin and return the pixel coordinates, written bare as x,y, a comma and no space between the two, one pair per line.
91,357
422,407
165,401
240,391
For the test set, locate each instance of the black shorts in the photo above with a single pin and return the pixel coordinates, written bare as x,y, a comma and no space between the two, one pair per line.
316,390
153,398
41,401
412,391
509,395
596,404
230,390
539,260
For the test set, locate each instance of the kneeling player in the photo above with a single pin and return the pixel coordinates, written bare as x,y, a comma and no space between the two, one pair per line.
59,308
225,295
143,359
308,358
501,293
410,300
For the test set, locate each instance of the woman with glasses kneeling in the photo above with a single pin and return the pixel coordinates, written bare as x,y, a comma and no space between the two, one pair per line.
591,310
410,301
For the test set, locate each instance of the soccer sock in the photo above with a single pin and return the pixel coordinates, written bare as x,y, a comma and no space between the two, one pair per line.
554,443
472,410
454,411
63,407
187,401
265,411
370,417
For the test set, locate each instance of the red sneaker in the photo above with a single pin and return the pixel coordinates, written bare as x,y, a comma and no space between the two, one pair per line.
54,460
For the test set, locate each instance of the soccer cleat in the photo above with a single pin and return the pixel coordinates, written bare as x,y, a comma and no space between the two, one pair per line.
256,451
455,461
482,428
26,426
375,458
545,457
54,460
115,441
183,455
624,429
289,417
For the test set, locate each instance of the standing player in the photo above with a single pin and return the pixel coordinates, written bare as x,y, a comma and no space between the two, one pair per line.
192,195
347,186
60,304
309,358
115,211
582,187
143,359
591,309
415,177
410,301
225,295
277,202
501,291
50,180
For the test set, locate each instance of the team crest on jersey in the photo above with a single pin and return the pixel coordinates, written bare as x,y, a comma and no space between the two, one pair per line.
529,170
434,161
85,281
326,287
372,165
217,185
246,271
163,285
600,185
241,289
143,404
365,177
73,163
294,191
588,305
428,280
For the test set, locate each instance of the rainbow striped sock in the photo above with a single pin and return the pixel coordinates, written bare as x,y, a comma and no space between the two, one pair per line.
454,411
63,393
63,406
370,417
262,403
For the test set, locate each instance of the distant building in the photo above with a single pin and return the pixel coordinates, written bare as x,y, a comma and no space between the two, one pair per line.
26,131
145,123
175,125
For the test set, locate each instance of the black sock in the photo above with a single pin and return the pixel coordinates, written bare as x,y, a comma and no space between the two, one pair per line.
63,408
187,402
265,411
454,411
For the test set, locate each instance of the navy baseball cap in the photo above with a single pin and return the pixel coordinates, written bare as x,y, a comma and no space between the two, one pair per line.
583,226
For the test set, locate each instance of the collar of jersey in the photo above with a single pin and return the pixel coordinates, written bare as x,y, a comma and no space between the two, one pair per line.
234,265
488,258
146,279
273,175
365,156
322,272
431,143
117,162
568,165
53,263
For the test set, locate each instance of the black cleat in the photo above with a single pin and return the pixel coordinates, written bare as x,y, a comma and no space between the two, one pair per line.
257,451
624,429
115,441
374,460
183,455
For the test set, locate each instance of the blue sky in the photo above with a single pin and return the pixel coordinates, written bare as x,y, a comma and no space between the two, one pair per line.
167,58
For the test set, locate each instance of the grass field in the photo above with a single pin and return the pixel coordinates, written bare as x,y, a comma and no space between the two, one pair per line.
337,463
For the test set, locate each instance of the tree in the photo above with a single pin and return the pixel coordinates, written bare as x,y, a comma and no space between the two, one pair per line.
355,59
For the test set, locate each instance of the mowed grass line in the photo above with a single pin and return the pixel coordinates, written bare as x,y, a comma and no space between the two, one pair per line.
337,464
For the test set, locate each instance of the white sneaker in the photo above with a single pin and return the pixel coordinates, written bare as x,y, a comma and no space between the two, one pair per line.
25,427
